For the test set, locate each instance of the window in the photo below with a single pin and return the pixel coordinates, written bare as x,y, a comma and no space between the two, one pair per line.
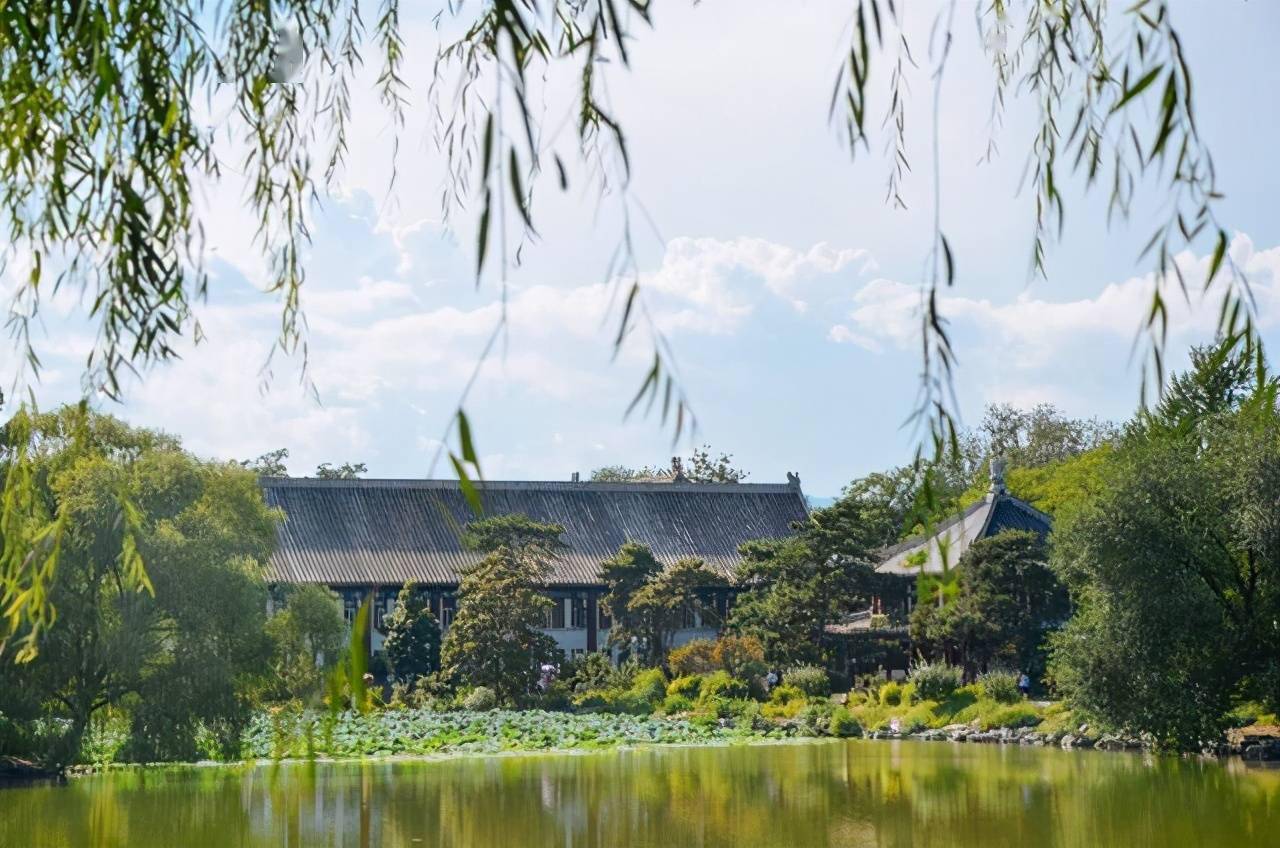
385,606
687,621
448,606
576,653
553,618
578,613
605,621
350,606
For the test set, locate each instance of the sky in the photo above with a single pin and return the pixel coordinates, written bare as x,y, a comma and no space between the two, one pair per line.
785,285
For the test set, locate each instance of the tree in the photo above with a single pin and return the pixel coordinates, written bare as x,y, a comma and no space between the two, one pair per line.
1173,566
537,539
702,466
790,593
308,633
1008,600
794,587
624,474
345,471
1029,438
189,648
649,603
413,636
496,639
269,464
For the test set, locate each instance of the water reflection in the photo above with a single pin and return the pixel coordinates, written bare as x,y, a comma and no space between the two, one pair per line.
823,794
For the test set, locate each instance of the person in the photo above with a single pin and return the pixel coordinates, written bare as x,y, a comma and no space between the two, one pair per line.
770,680
1024,685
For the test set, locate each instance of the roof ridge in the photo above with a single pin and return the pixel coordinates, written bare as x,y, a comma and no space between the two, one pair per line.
516,485
921,538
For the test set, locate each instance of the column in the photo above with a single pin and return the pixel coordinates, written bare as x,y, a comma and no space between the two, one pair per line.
592,621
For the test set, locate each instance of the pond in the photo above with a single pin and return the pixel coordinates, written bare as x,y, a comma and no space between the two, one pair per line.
856,793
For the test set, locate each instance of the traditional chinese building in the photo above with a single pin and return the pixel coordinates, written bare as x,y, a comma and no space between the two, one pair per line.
878,635
367,538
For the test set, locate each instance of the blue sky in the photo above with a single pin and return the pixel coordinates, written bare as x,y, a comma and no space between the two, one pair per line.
784,282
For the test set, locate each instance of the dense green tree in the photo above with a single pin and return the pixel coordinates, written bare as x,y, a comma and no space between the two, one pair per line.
309,633
1174,566
1007,601
792,588
518,532
413,636
496,638
649,603
186,649
790,594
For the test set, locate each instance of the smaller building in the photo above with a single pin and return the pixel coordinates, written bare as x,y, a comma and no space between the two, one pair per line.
941,551
882,626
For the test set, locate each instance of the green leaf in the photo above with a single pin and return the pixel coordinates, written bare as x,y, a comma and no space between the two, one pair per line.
950,260
467,443
650,384
1138,87
482,237
1219,252
469,490
626,317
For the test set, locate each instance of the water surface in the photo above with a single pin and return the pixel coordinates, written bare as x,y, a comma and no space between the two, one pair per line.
856,793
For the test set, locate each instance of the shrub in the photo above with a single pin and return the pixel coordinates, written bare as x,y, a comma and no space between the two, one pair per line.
688,686
1000,686
741,656
1013,715
695,657
591,671
784,702
720,684
935,681
809,679
648,688
556,698
844,724
919,717
621,678
673,704
815,718
739,709
480,699
891,694
785,693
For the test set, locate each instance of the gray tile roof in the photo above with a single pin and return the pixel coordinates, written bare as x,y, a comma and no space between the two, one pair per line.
353,532
996,512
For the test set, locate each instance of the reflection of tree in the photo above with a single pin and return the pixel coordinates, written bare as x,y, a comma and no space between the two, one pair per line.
831,794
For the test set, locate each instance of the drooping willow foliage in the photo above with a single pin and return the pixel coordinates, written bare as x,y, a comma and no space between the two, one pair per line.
106,139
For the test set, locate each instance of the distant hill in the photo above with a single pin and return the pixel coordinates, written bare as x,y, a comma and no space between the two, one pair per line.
819,502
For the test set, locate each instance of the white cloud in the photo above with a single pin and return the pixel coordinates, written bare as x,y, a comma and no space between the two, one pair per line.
390,351
722,282
1033,331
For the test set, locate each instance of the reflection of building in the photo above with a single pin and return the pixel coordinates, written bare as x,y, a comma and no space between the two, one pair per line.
880,631
373,536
